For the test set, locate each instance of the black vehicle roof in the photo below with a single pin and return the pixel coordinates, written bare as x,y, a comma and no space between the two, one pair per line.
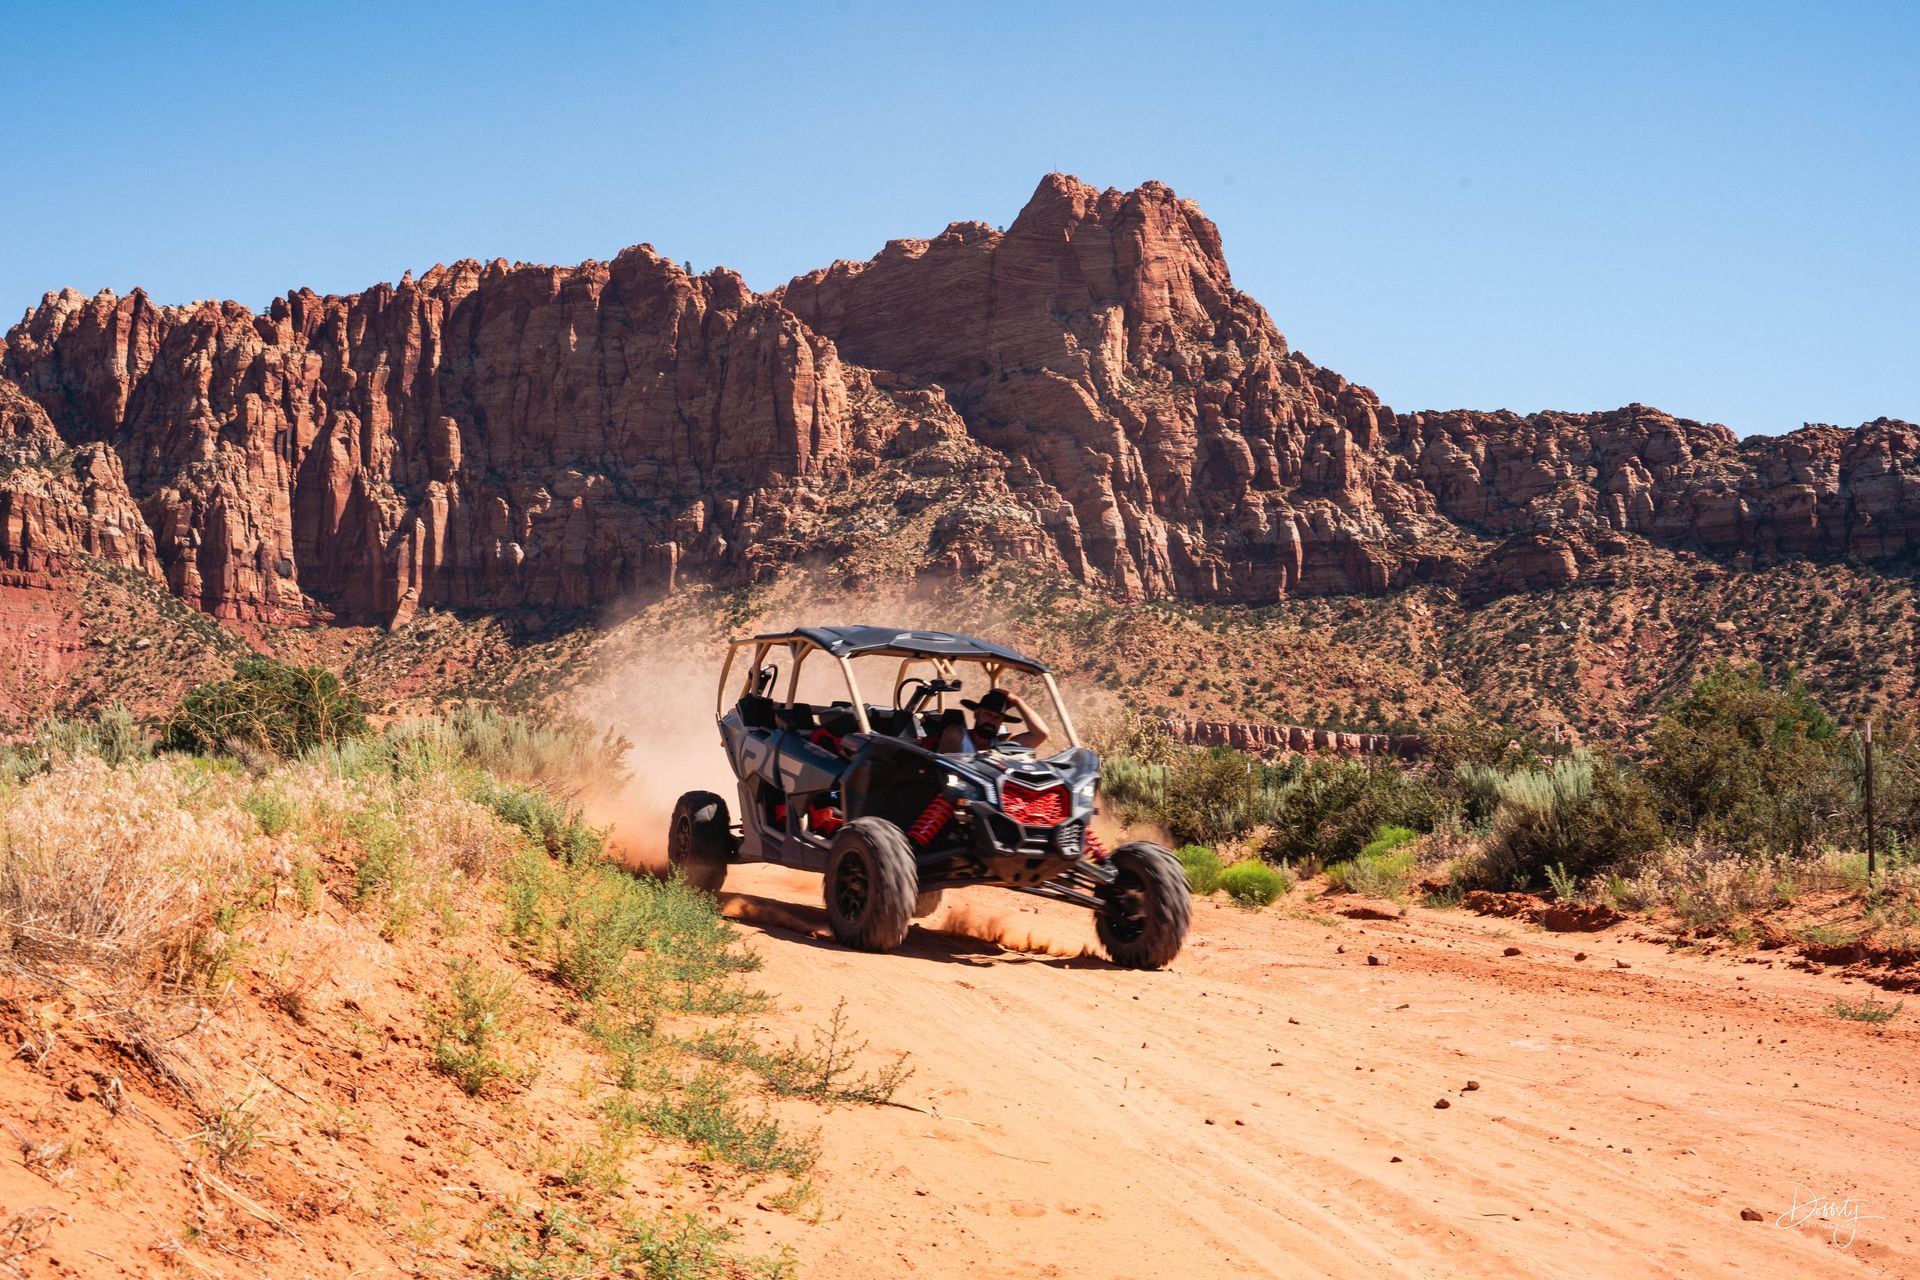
851,642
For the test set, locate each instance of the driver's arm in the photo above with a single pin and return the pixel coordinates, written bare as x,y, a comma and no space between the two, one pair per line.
1037,730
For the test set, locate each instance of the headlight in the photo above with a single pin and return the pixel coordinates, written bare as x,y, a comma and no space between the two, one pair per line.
1084,791
965,786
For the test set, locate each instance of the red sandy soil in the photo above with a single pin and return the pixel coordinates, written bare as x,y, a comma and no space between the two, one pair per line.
1239,1114
1268,1106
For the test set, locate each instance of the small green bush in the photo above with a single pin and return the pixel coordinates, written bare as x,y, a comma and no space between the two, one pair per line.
266,705
1203,868
1871,1009
1380,875
476,1031
1252,883
1387,839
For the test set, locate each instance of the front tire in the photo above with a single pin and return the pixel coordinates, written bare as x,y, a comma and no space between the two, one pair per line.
927,903
871,885
700,840
1143,917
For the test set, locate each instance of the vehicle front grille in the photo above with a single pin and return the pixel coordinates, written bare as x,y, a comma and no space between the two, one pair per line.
1066,839
1032,808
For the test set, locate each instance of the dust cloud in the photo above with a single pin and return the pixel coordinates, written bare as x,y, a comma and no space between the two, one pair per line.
662,703
1006,927
659,679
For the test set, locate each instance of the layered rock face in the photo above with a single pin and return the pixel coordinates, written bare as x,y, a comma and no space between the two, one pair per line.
1099,395
485,437
57,502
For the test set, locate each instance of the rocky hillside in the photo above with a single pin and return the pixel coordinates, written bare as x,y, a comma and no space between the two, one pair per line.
1085,391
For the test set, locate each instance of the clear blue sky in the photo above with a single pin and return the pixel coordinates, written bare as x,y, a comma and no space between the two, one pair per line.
1713,208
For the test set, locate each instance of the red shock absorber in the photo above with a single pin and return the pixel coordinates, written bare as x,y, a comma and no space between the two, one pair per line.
928,825
1095,848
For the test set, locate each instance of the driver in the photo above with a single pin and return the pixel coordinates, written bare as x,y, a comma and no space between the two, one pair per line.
996,709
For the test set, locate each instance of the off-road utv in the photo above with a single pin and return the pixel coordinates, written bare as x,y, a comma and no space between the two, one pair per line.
862,793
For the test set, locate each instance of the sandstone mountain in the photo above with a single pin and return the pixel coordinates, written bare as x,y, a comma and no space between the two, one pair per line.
1085,391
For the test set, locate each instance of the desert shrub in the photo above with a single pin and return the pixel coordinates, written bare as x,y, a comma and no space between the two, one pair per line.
1581,815
706,1113
1478,786
1474,741
1203,867
1896,789
1742,760
477,1030
1378,875
1252,883
108,868
272,808
113,736
554,826
1126,733
1133,790
1331,809
1219,794
561,754
266,705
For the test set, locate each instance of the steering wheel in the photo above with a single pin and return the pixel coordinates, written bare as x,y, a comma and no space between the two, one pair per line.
925,689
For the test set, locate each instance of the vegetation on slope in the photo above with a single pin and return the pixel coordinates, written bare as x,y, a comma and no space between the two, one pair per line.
430,897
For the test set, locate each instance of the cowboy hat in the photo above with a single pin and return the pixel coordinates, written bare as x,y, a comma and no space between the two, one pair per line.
994,700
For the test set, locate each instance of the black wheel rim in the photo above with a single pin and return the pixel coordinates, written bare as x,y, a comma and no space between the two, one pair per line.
850,887
1126,909
679,840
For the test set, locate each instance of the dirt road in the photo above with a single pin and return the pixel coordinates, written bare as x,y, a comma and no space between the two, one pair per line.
1269,1106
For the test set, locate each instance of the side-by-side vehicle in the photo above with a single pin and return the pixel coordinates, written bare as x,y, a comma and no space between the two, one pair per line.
864,794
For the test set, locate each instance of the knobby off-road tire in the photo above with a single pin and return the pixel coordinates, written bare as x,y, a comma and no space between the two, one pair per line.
1143,917
927,903
700,840
871,885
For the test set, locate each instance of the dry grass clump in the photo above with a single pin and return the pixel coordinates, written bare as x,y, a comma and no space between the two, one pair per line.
122,869
1704,883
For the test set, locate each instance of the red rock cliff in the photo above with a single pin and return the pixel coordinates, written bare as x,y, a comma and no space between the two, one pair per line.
493,436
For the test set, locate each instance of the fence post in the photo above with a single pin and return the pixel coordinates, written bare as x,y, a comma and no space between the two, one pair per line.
1869,753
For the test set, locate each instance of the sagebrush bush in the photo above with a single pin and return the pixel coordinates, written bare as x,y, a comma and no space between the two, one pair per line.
266,705
1252,883
113,736
1581,814
553,825
1219,794
561,754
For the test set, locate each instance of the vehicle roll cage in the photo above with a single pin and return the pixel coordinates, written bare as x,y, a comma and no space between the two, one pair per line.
940,650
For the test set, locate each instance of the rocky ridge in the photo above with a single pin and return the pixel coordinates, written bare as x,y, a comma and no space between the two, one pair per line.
1085,391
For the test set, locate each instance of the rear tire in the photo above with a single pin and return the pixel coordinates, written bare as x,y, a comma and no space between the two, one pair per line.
1144,913
700,840
927,903
871,885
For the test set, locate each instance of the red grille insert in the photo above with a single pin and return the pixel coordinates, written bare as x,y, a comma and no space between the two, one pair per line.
1034,808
